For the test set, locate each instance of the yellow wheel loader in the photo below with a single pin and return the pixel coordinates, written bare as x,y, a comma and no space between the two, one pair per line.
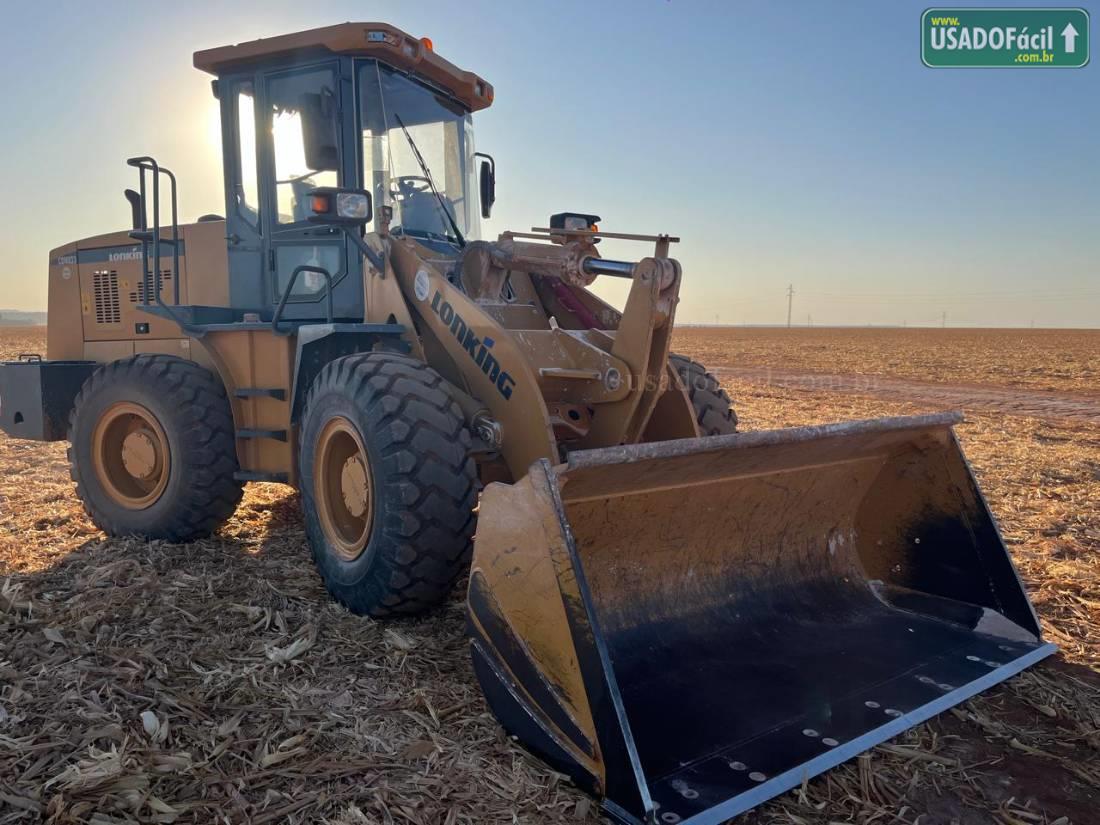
684,619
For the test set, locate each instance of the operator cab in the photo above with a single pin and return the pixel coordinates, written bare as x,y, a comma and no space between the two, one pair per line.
353,106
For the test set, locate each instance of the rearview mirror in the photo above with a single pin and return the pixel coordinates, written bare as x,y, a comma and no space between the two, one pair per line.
334,207
487,183
319,131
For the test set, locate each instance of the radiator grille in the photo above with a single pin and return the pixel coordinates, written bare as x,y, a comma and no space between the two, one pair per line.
105,290
144,293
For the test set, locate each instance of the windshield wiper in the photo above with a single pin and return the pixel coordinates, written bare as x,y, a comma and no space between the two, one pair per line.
424,233
428,176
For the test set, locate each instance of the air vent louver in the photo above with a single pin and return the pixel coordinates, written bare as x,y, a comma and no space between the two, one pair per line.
105,290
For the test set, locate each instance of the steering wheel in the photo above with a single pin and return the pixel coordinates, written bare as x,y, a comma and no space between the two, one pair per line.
297,178
409,184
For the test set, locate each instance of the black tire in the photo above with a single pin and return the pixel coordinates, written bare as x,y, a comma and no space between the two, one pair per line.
714,411
423,483
190,406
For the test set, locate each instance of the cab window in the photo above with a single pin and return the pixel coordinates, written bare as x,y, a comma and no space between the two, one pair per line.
305,139
247,194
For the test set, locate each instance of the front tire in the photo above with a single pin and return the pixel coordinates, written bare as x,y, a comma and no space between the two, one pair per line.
152,449
387,482
713,407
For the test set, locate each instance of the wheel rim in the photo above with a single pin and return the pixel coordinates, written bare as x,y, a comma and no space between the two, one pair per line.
344,492
130,455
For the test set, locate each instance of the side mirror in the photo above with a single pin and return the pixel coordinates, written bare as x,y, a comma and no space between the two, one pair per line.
339,207
487,183
320,146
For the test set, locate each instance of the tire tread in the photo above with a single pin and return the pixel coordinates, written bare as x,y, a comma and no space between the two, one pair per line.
430,476
211,457
714,412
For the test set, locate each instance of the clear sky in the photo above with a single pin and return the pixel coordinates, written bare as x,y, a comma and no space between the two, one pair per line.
785,142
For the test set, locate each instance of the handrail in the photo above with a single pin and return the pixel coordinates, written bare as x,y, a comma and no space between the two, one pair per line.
290,288
143,164
147,163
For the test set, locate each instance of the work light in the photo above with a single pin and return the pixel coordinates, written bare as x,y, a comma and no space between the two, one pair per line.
339,206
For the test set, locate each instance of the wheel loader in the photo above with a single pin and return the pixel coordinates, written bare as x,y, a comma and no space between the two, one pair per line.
685,619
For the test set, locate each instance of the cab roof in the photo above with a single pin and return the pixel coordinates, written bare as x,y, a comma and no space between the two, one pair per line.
379,40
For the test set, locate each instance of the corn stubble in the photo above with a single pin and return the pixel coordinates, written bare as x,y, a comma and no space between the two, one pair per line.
214,682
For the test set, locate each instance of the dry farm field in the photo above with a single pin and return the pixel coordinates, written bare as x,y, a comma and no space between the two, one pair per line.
214,682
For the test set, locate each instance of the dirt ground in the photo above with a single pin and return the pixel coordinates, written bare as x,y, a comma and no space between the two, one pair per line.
214,682
1044,359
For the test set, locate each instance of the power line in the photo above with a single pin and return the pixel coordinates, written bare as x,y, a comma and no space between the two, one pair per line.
1007,293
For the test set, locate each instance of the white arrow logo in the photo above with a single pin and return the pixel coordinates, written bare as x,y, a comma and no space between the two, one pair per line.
1069,35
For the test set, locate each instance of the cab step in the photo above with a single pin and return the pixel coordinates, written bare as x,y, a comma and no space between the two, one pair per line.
252,432
256,475
260,392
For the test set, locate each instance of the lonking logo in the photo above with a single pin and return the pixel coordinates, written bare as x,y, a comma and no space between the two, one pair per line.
478,349
133,254
421,284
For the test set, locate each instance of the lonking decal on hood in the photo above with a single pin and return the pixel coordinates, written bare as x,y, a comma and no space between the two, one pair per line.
113,254
479,349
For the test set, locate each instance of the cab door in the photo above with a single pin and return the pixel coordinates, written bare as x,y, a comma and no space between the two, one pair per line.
303,120
243,235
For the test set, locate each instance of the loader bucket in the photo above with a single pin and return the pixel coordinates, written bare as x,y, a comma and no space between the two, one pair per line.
688,628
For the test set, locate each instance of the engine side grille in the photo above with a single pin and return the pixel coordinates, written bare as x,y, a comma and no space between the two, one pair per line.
105,290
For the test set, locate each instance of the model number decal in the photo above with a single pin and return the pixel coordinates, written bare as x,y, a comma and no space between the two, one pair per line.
478,349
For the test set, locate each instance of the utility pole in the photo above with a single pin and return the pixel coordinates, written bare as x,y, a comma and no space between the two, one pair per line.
790,303
943,319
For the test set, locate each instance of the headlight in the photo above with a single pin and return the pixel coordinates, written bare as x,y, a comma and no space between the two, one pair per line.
353,205
340,206
571,221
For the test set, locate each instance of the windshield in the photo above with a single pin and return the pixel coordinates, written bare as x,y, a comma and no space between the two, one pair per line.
401,119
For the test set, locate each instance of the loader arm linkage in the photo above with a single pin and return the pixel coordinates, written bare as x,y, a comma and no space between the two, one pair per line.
554,366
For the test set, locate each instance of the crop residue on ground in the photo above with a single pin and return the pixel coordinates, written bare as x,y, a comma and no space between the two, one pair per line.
214,682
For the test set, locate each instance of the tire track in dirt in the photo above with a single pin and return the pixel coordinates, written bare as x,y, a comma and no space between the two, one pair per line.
977,397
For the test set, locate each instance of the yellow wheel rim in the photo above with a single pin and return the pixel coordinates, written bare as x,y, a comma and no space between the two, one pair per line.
130,455
343,489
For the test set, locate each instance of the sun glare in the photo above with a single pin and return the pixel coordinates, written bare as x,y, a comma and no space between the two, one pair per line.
290,153
213,127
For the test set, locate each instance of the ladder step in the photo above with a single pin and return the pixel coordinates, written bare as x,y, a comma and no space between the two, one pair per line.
250,432
254,475
260,392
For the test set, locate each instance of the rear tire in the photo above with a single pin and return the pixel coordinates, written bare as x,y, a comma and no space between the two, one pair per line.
387,482
153,450
714,411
